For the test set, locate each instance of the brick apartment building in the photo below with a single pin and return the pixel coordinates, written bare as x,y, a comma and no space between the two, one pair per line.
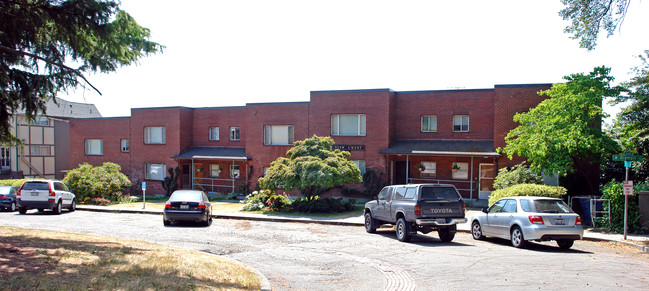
442,136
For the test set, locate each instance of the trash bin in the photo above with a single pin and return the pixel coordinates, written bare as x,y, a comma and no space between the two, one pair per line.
581,206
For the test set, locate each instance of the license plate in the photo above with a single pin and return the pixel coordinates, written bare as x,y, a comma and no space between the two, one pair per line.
34,193
184,206
559,222
441,220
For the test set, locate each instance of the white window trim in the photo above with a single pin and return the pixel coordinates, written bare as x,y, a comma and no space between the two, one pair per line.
88,144
215,136
336,131
268,133
461,116
429,122
128,145
147,135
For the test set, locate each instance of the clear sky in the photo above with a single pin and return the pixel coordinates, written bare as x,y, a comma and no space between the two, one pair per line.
229,53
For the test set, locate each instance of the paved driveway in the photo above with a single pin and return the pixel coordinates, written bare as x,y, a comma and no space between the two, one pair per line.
296,256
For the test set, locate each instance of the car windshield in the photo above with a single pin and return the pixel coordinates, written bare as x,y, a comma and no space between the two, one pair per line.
186,196
5,190
545,206
36,186
438,193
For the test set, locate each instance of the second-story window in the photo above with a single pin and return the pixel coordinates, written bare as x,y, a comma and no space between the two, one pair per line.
460,123
428,123
155,135
348,124
94,147
124,145
235,133
278,134
214,133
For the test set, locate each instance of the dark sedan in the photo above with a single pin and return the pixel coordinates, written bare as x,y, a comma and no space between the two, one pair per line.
8,198
188,205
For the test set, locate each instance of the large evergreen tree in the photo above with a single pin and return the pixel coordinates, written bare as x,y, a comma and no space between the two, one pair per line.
47,45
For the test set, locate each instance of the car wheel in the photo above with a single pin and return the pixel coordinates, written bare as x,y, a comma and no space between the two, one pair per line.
565,243
12,207
207,221
370,223
403,230
476,231
57,209
73,206
22,210
517,238
445,234
166,222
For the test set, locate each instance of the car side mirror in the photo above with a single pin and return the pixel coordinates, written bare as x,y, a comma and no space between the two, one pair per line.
485,210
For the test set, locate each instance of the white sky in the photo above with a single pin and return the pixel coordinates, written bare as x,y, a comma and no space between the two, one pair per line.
229,53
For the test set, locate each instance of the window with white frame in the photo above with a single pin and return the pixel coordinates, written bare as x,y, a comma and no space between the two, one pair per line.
125,145
234,171
348,124
361,165
40,150
155,135
460,123
428,123
278,134
153,171
235,133
94,147
214,133
460,171
428,169
215,170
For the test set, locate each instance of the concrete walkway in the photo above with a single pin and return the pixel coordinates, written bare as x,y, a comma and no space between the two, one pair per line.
635,240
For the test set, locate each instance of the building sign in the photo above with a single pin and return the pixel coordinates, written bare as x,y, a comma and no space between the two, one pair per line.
348,147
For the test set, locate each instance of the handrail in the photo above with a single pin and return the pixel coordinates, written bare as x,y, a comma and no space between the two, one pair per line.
211,185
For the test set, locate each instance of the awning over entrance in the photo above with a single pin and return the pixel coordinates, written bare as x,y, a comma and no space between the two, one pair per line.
466,148
213,153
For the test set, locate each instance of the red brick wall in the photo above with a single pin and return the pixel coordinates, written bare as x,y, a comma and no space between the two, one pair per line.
478,104
110,130
223,118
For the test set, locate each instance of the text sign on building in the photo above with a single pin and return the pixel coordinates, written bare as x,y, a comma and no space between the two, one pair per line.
627,157
348,147
628,187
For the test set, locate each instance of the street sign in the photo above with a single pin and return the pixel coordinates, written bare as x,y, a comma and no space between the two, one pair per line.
628,187
627,157
143,186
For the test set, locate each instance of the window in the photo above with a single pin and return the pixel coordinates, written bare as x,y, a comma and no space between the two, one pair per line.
235,133
460,171
348,124
214,133
155,135
124,145
94,147
361,165
234,171
460,123
428,169
154,171
42,121
383,194
40,151
510,206
215,170
428,123
400,193
266,170
410,193
278,134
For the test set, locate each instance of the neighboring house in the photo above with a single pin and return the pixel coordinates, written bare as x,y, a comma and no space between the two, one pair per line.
46,142
440,136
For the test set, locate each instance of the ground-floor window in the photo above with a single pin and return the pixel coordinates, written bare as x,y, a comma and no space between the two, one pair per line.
154,171
428,169
234,171
215,170
361,165
460,171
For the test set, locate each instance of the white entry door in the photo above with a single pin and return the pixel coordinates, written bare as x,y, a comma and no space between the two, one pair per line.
486,180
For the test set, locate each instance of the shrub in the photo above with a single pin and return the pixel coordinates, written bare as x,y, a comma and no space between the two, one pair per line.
613,191
105,181
12,182
321,205
528,190
518,174
266,201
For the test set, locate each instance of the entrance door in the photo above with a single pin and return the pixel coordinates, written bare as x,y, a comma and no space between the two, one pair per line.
186,179
400,173
486,180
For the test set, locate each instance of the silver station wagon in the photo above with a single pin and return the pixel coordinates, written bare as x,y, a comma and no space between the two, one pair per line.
528,218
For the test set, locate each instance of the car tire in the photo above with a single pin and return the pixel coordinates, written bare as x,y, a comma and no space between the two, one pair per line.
370,223
166,222
12,207
445,234
207,221
565,243
476,231
22,210
517,238
73,206
57,209
403,230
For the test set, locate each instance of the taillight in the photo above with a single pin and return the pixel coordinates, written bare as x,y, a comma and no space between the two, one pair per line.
3,197
578,221
535,219
201,205
463,209
51,192
417,210
168,205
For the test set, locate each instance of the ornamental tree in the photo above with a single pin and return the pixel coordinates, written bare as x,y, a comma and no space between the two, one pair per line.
47,45
310,165
563,133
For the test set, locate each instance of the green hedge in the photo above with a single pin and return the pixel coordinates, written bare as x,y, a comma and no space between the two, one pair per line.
12,182
528,190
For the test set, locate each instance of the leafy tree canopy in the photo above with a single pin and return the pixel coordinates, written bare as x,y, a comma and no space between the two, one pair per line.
566,127
47,45
518,174
589,17
311,164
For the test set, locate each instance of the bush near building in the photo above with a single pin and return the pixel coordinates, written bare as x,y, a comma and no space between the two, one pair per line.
518,174
90,183
268,201
528,190
614,191
12,182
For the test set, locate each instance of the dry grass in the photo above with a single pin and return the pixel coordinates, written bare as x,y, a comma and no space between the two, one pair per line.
38,259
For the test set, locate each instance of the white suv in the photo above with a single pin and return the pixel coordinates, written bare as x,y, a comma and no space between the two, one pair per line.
45,194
